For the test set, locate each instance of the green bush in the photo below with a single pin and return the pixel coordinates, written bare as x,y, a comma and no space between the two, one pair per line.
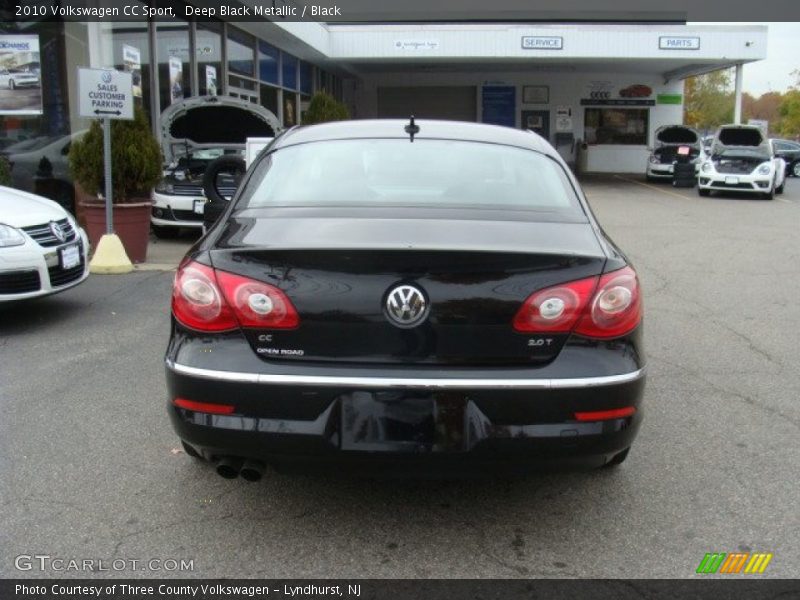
5,172
323,108
136,163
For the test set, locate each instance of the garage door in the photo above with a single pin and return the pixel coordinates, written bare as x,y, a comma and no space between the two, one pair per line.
428,102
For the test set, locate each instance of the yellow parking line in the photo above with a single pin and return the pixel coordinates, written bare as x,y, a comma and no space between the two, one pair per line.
652,187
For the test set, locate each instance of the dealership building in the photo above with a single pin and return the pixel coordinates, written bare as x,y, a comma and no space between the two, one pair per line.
597,91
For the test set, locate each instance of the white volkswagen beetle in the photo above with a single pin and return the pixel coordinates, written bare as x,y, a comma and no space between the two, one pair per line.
42,249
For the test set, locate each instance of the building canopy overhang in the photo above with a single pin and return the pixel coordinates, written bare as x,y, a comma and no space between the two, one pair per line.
671,51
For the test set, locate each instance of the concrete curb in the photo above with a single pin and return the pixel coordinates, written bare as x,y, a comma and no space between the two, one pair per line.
154,267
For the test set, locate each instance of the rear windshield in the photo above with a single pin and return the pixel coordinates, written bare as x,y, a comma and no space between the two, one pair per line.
397,173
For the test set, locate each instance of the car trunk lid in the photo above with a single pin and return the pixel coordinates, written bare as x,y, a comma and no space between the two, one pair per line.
474,276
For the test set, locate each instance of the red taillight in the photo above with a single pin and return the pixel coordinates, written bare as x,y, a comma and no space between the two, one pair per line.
209,300
257,304
616,308
608,309
555,309
204,407
197,301
605,415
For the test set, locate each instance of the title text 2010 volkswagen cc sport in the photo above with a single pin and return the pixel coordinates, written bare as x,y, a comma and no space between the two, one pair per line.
405,295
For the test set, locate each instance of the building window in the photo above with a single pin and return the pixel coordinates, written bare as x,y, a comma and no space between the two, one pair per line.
174,71
268,59
306,78
626,126
208,42
269,98
289,71
241,52
289,109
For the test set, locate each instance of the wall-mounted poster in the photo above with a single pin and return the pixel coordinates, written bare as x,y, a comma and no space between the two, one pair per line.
535,94
132,60
20,75
499,105
175,79
211,80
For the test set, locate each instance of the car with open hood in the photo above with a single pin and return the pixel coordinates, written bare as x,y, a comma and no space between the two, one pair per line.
667,141
42,249
195,132
398,295
742,161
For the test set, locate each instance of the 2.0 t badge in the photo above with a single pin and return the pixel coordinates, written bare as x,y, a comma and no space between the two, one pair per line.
406,306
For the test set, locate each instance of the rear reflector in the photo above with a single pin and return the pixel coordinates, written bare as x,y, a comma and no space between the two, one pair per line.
606,415
204,407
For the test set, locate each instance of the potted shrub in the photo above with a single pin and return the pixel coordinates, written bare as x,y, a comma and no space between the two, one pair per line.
324,108
135,167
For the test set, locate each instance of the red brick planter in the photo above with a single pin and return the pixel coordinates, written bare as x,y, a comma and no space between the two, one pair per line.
131,224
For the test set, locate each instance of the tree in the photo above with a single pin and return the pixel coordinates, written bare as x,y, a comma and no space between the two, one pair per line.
324,107
766,107
790,109
708,100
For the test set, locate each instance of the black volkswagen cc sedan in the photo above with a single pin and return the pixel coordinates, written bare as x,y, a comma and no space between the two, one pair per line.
401,295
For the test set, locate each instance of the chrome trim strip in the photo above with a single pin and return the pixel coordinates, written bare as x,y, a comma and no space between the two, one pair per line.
405,382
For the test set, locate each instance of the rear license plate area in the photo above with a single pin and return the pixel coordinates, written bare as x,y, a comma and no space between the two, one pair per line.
388,422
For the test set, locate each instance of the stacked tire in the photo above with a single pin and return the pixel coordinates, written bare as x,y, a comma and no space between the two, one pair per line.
683,175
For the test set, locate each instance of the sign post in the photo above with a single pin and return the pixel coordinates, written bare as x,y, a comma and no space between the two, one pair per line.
107,94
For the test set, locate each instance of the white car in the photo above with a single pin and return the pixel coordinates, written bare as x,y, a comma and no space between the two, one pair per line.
194,132
42,249
668,139
742,161
14,78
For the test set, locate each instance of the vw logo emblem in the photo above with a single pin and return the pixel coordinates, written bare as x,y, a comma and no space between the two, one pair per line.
107,76
406,306
55,228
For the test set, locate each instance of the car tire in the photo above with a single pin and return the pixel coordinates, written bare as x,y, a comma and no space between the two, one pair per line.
217,203
779,189
796,168
768,195
11,84
617,459
165,233
703,192
190,451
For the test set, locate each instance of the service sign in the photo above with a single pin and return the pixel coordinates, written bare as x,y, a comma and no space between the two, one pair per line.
105,94
538,42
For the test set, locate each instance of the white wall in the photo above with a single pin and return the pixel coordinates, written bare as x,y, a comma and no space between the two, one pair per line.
566,89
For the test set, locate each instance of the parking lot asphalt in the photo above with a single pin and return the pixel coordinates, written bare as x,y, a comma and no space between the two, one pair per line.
90,468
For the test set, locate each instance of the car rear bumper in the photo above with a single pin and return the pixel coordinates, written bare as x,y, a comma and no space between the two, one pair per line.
405,420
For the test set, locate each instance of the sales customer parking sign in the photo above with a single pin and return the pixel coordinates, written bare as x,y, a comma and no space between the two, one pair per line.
105,93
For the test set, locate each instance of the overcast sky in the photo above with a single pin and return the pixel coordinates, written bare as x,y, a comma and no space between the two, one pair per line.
783,57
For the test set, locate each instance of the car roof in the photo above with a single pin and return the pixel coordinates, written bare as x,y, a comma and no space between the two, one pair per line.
428,129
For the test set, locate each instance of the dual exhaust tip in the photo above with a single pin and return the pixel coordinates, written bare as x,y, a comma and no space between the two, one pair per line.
231,467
